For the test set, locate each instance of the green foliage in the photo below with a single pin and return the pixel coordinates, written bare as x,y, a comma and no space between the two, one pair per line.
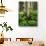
30,20
7,27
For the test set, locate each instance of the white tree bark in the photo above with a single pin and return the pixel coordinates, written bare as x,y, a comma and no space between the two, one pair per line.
26,8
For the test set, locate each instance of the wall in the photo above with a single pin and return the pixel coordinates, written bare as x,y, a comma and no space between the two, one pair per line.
11,17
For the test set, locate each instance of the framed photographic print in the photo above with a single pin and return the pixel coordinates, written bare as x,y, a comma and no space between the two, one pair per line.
28,13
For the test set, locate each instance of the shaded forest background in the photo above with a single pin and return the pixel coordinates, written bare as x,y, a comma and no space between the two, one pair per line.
28,14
